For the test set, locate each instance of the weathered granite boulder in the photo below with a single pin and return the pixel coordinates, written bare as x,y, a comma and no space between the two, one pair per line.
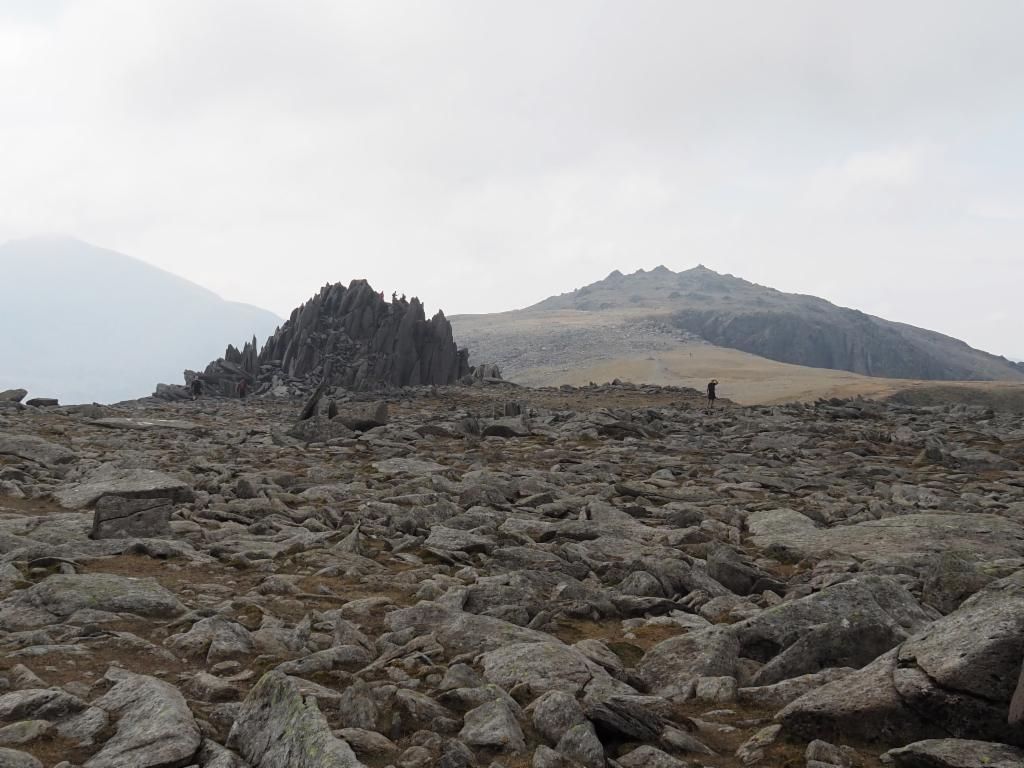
13,395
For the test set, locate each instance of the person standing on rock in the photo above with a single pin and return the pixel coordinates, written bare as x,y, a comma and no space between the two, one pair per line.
197,388
243,388
711,393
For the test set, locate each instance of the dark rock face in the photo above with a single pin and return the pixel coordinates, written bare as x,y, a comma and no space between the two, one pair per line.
346,337
42,402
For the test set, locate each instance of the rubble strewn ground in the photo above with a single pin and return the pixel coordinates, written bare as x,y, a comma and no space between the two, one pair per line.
559,577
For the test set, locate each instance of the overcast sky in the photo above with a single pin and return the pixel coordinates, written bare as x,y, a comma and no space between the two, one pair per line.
484,155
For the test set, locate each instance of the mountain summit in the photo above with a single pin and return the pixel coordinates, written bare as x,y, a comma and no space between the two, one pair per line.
791,328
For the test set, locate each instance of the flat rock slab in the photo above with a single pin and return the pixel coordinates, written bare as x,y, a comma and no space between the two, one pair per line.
114,422
408,467
127,483
276,727
955,753
155,726
893,538
60,595
36,449
461,632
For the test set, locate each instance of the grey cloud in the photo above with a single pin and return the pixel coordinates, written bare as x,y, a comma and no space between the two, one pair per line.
485,154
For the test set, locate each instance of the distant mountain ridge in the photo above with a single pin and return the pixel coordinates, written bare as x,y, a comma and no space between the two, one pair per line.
792,328
84,323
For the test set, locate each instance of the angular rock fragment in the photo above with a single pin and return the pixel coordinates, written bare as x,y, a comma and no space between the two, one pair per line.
277,728
493,725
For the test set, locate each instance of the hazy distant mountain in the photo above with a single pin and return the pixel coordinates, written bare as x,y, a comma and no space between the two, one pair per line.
791,328
87,324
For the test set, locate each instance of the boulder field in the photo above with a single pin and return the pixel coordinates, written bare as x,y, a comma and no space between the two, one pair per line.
486,575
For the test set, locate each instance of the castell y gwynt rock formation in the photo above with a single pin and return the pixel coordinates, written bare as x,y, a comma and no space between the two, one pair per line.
346,337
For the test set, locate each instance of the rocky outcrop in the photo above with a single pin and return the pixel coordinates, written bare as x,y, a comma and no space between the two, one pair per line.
345,337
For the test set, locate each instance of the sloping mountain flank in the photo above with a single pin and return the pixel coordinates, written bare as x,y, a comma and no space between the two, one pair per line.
804,330
83,323
346,337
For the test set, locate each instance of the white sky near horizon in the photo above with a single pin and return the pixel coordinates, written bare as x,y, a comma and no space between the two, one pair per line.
484,155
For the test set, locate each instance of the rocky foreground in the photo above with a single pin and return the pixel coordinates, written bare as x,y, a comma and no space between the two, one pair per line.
488,576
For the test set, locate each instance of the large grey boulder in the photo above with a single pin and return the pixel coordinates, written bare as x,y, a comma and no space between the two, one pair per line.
542,667
59,596
864,705
215,638
554,713
74,719
954,753
956,678
277,728
14,758
891,540
36,449
846,625
13,395
109,480
120,518
360,417
580,745
319,429
670,667
42,402
155,728
729,569
461,632
493,725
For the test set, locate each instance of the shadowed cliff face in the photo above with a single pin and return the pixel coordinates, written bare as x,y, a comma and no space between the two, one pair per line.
791,328
352,338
